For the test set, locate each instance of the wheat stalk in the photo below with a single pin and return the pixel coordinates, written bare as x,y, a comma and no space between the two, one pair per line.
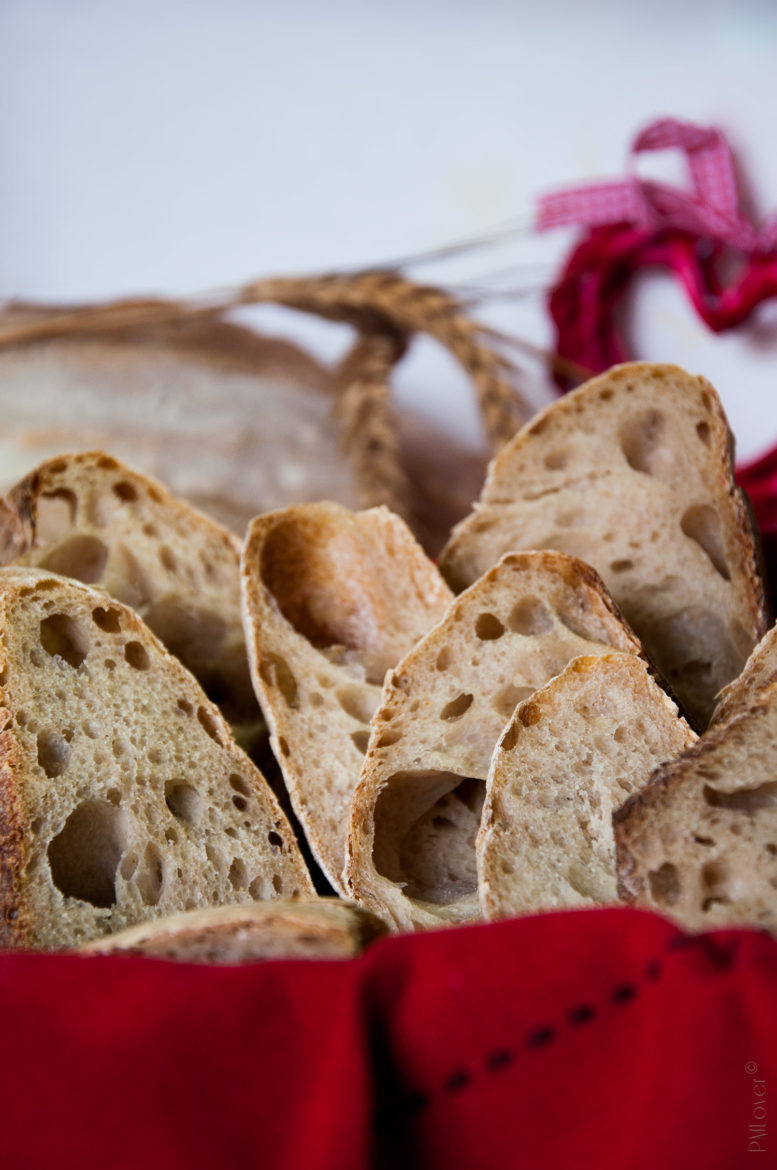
384,306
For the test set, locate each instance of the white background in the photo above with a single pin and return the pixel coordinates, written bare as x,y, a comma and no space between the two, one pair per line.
174,145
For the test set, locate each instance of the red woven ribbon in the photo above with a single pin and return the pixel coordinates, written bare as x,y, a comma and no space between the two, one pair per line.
636,223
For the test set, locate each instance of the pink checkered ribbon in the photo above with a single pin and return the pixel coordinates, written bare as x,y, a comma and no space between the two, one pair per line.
710,208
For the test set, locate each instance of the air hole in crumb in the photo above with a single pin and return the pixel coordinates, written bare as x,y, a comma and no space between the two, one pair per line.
82,557
622,566
443,658
703,431
388,738
90,729
109,664
137,656
745,799
151,530
209,724
530,617
107,619
239,784
150,880
456,708
556,460
701,524
360,739
488,627
665,884
183,801
276,672
643,444
107,463
703,840
240,803
358,702
167,557
213,855
507,698
55,513
529,713
257,889
411,813
129,864
238,874
276,841
283,747
277,884
171,835
185,706
114,796
125,491
85,854
316,700
62,637
53,752
510,738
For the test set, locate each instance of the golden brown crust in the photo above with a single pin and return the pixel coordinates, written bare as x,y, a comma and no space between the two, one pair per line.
305,927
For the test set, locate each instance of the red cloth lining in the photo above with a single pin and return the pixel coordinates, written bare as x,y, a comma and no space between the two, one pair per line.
575,1039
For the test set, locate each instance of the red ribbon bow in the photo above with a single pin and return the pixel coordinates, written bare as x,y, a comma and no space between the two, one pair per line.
634,223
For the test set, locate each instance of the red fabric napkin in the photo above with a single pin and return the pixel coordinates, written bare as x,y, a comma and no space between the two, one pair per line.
575,1039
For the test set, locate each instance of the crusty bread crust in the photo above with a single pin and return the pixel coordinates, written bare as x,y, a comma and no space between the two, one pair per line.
122,794
317,928
90,517
416,809
633,473
699,842
758,672
332,599
569,756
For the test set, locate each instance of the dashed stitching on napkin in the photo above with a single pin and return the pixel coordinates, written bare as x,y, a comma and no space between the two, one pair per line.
577,1016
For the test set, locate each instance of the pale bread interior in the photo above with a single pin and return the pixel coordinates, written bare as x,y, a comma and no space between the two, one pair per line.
699,843
332,600
417,808
632,472
570,755
89,517
125,797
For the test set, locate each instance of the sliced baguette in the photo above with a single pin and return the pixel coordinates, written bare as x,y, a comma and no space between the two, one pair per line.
89,517
758,672
632,472
700,842
122,794
319,928
332,599
416,810
570,755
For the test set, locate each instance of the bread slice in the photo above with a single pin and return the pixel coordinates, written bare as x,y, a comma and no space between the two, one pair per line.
758,672
89,517
233,421
122,794
633,473
319,928
700,842
416,810
332,599
570,755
